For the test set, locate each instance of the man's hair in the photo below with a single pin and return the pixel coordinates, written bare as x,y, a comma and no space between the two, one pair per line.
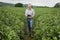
30,5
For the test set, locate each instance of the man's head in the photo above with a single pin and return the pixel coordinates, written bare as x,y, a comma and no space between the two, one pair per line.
29,6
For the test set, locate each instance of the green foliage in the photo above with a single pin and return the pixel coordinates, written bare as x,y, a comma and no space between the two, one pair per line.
46,23
57,5
11,21
19,5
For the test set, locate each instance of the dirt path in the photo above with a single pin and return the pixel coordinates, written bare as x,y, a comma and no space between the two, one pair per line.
27,37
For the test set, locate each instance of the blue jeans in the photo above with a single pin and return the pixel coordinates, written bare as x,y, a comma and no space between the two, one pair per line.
30,24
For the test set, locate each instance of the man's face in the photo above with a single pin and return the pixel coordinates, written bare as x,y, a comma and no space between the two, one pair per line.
29,6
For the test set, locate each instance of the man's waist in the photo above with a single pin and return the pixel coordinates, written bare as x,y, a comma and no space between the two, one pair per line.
29,15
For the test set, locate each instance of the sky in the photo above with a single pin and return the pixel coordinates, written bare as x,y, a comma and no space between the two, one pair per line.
49,3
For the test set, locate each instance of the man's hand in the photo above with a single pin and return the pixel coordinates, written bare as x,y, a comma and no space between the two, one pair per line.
30,17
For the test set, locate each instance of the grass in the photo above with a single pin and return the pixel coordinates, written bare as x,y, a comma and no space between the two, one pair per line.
46,23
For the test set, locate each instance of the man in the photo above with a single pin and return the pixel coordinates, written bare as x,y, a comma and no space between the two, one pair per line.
29,13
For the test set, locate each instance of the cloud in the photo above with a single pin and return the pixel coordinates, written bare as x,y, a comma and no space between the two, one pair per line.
49,3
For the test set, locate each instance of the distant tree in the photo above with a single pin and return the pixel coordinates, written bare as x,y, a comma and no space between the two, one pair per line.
25,5
0,5
19,5
57,5
41,6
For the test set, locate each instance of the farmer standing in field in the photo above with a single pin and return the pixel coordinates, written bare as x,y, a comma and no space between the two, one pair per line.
29,13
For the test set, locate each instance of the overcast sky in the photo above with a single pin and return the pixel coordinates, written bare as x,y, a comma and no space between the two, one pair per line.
49,3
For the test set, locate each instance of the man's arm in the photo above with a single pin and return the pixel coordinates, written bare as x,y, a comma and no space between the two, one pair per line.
33,13
26,13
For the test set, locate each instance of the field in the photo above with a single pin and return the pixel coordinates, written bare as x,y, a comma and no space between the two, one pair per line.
13,23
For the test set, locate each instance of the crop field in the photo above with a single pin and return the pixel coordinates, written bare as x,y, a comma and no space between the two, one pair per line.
13,23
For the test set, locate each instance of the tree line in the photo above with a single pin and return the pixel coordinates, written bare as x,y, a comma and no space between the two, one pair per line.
57,5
